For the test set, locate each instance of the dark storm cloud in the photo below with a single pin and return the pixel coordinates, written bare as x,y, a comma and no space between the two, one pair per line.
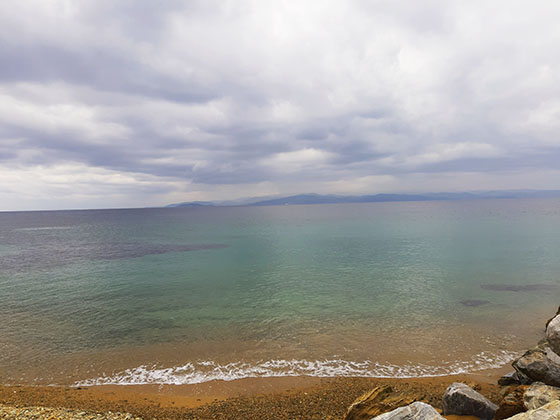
209,99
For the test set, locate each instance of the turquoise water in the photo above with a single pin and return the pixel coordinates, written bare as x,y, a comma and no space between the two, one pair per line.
191,294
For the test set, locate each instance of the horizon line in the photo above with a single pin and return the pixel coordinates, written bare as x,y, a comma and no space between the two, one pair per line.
258,199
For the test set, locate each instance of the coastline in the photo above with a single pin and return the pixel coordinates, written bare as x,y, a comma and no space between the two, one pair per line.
250,398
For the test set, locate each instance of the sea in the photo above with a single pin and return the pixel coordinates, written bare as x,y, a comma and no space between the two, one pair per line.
195,294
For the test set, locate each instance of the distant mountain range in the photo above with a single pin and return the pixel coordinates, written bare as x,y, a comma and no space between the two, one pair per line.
376,198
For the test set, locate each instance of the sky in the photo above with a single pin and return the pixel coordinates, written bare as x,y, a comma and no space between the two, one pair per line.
133,103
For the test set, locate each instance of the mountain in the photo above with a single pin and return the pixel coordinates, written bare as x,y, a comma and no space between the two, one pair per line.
192,204
376,198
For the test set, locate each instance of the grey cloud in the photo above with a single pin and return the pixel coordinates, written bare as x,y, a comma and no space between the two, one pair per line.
96,68
208,94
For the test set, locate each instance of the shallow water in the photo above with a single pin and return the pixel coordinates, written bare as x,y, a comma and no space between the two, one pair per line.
191,294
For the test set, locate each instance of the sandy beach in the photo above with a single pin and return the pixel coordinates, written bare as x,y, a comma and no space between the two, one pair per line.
262,398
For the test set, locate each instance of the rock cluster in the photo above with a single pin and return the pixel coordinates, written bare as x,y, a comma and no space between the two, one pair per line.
541,363
531,392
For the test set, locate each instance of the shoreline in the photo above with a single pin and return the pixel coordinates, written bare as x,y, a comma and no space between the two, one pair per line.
249,398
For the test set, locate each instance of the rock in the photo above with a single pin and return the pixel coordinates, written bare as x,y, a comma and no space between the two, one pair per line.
514,378
512,404
548,322
550,411
540,364
377,401
539,394
462,400
414,411
553,334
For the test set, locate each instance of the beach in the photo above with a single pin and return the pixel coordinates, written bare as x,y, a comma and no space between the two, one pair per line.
261,398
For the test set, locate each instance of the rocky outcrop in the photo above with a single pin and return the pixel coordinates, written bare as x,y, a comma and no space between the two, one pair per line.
550,411
414,411
463,400
514,378
539,394
540,364
512,404
380,399
553,334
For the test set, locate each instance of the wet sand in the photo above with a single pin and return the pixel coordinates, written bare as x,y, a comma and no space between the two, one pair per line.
262,398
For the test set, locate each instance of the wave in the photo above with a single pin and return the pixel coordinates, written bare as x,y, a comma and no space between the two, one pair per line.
205,371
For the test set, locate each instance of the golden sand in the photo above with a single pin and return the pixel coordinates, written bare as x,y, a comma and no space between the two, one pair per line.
262,398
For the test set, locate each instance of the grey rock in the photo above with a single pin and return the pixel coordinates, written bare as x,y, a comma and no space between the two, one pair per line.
550,411
553,334
548,322
540,364
514,378
463,400
414,411
539,394
553,356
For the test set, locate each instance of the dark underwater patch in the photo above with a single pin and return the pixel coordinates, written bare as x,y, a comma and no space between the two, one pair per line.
519,287
58,254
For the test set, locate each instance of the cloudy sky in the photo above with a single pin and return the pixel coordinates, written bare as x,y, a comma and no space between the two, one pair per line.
108,103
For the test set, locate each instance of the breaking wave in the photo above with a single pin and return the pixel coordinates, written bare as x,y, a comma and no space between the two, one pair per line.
204,371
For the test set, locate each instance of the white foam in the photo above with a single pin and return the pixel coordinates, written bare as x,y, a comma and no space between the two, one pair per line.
204,371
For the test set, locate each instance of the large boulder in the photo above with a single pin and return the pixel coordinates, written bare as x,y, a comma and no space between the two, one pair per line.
540,364
512,404
463,400
550,411
414,411
380,399
553,334
539,394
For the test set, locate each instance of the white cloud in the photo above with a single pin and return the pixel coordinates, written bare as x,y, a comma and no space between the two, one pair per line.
296,160
79,187
454,151
72,119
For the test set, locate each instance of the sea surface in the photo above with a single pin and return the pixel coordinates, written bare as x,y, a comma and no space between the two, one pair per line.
188,295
